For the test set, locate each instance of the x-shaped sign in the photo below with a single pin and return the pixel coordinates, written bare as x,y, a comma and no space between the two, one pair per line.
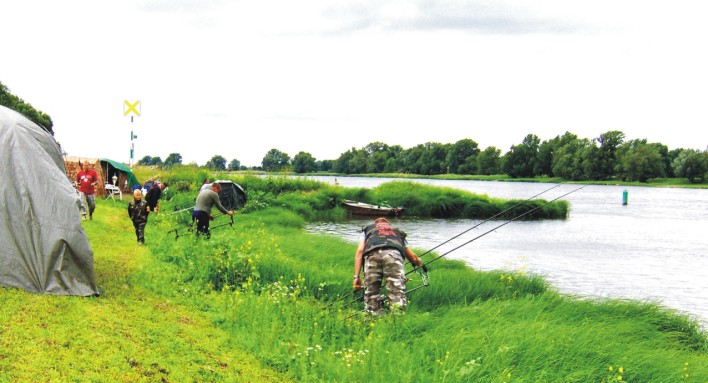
131,108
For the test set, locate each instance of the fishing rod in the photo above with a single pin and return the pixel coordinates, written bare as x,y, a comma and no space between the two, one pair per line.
494,216
497,227
189,227
458,235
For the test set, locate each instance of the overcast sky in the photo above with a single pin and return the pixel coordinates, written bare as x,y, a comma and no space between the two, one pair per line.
238,78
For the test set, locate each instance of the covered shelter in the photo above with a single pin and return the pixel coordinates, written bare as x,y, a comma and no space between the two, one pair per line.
43,247
232,196
126,181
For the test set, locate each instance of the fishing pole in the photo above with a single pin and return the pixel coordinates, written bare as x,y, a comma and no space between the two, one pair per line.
189,227
494,216
456,236
497,227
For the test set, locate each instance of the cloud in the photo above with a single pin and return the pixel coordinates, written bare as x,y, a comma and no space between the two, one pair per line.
180,6
473,16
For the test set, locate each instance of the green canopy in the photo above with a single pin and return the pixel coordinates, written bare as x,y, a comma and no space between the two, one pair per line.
132,179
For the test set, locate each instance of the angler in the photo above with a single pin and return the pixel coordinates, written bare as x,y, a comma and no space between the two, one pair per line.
422,268
381,251
202,208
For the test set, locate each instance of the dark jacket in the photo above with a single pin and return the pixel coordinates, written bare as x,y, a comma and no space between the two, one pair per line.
153,196
137,211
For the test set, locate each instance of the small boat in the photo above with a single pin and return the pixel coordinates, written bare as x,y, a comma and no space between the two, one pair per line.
365,209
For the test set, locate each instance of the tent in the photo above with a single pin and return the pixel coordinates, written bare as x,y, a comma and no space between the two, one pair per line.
231,196
43,248
127,181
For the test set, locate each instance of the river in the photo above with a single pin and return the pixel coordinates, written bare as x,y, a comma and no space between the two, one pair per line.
655,248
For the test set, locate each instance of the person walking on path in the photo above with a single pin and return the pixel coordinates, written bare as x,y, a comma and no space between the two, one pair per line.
138,213
86,180
381,251
202,208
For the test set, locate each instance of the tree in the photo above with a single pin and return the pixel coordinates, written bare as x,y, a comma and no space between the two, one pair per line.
430,158
461,158
275,161
546,152
357,164
144,161
173,159
521,159
150,161
691,164
641,162
489,161
606,160
303,162
341,164
570,161
216,163
234,165
325,165
19,105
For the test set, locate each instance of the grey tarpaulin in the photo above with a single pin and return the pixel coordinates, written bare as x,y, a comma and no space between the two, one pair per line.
43,248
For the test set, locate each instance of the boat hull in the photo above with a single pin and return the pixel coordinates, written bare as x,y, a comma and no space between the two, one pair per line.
369,210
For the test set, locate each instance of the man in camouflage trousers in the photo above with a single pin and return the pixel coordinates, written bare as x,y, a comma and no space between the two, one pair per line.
138,213
381,251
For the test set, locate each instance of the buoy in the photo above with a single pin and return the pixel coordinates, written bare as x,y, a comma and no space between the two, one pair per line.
624,197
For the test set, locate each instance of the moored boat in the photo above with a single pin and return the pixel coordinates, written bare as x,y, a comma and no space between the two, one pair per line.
366,209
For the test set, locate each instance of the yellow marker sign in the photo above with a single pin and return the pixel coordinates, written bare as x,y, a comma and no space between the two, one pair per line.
133,108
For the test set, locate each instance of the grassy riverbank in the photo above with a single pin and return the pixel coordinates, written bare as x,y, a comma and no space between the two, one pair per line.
271,285
261,302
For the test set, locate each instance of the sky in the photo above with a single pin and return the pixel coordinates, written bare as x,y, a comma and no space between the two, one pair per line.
239,78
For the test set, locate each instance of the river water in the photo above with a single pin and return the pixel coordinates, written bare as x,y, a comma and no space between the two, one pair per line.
655,248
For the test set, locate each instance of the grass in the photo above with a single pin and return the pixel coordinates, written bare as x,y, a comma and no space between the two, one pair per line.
264,300
128,334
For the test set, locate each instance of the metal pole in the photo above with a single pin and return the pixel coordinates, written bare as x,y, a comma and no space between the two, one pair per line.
132,145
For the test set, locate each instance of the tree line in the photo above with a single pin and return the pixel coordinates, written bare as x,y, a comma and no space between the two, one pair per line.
19,105
609,156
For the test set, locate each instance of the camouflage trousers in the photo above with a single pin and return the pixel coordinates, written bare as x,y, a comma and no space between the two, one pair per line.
384,267
139,226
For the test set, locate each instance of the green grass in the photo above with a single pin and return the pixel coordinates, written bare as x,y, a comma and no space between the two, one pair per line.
128,334
265,301
282,306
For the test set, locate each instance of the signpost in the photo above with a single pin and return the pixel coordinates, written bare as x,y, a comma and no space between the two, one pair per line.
132,109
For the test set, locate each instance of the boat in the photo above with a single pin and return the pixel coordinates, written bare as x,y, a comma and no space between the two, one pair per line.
366,209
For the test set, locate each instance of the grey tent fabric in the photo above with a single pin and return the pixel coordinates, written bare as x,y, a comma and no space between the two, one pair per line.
43,248
232,196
